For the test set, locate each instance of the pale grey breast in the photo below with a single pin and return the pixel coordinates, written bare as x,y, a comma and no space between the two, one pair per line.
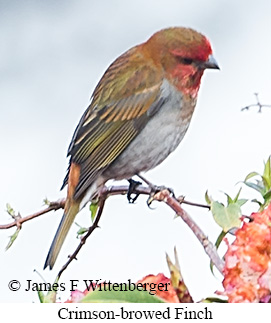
158,139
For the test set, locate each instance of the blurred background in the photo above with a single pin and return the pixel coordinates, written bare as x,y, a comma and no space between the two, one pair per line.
52,54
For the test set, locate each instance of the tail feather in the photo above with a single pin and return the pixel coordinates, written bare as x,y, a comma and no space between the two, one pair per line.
63,228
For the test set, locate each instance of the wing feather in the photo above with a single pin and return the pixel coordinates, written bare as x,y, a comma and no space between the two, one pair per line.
119,110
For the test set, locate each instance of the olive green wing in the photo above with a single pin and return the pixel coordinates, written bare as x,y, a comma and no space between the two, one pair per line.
122,103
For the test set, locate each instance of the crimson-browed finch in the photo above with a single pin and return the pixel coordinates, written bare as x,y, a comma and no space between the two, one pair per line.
139,113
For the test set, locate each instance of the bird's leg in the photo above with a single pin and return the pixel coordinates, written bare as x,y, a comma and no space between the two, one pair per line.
154,189
131,190
152,186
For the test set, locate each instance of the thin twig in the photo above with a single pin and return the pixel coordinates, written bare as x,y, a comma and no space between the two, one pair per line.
181,200
19,221
84,238
258,104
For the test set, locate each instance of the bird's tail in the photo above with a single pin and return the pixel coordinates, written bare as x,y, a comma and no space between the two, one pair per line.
67,219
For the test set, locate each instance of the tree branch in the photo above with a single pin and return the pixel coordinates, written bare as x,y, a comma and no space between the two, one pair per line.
84,238
172,202
53,206
258,104
207,245
105,192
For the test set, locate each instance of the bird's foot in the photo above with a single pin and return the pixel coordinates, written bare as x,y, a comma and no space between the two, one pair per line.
155,189
131,190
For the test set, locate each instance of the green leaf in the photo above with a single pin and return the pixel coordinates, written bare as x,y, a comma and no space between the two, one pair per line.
10,211
258,202
256,187
46,201
267,174
50,297
176,279
81,231
250,175
208,199
214,300
13,238
267,196
235,199
118,296
263,186
229,199
41,296
226,217
93,209
237,195
175,271
220,239
241,202
217,244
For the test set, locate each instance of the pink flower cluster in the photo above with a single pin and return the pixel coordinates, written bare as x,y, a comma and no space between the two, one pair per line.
247,272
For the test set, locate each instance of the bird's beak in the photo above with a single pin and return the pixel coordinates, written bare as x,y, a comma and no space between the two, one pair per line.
210,63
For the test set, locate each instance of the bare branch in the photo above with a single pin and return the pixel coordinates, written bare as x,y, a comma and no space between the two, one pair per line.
105,192
84,238
258,104
207,245
53,206
181,199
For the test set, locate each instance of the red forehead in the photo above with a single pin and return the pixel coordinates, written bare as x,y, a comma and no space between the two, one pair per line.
198,51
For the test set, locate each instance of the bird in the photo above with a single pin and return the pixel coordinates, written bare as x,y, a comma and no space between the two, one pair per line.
138,114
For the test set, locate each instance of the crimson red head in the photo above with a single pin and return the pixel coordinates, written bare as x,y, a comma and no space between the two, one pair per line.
183,54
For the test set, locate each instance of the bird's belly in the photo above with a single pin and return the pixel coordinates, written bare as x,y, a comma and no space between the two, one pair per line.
155,142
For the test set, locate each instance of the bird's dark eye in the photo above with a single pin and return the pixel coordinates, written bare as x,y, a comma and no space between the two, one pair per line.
186,61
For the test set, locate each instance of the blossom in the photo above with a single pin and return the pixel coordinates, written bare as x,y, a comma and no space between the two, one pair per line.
247,271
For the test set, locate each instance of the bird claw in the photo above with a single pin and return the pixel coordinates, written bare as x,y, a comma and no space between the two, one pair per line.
156,189
131,190
150,200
